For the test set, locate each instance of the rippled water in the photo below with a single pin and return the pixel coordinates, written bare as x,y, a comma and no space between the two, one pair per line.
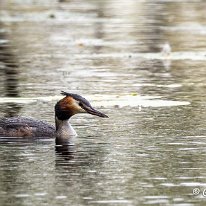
140,62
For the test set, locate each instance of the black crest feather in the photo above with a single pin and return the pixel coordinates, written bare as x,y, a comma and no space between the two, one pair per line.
77,97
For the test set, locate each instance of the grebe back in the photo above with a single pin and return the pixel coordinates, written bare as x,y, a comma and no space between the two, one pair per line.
25,127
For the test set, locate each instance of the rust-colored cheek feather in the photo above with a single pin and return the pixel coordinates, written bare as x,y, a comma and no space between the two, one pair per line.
69,104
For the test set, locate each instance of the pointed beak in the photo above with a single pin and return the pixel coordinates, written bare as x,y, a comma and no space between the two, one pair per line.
93,111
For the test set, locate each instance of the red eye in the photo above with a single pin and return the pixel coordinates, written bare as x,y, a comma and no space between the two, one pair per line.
80,104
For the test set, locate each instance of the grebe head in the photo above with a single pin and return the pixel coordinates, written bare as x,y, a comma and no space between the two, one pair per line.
72,104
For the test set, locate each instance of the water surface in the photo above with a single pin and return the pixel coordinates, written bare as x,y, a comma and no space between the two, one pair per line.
140,62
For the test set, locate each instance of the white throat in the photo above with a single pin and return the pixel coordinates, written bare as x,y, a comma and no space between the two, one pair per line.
64,130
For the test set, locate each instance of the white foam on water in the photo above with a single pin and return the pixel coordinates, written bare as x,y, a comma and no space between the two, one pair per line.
107,101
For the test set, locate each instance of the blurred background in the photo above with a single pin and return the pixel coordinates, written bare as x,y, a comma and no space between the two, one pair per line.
143,64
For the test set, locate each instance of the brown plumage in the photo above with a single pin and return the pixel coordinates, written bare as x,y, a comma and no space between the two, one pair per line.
25,127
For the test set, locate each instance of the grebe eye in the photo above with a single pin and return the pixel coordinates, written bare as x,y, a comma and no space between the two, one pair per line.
80,104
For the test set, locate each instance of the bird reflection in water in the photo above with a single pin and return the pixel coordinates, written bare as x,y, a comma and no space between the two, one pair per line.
66,149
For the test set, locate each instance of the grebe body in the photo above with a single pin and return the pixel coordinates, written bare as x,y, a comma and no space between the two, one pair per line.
65,108
25,127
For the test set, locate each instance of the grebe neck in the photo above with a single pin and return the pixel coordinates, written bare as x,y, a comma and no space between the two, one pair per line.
64,131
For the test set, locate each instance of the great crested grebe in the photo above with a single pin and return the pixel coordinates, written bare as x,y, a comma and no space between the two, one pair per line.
65,108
